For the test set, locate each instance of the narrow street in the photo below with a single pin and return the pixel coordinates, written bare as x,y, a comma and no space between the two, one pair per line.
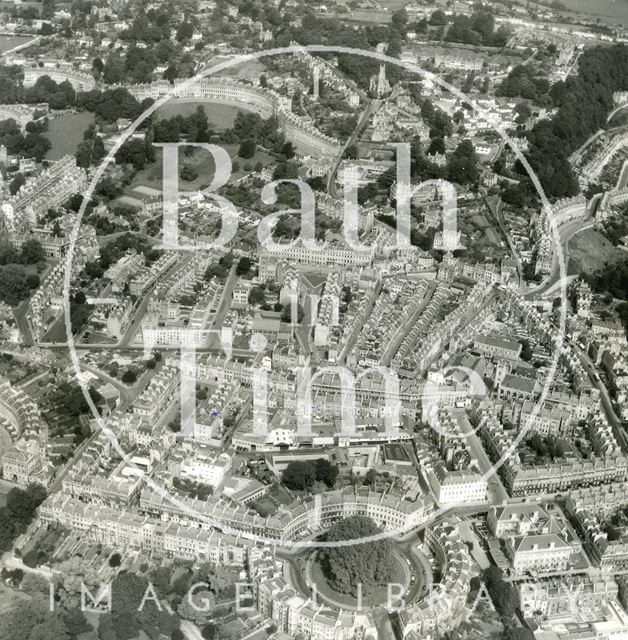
496,491
497,213
605,398
371,107
20,312
402,332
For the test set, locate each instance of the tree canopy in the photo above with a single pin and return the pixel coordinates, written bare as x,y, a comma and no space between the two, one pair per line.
302,474
368,563
128,615
584,102
500,592
14,284
18,513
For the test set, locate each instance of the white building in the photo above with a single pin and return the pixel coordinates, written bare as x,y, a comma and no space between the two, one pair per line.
456,487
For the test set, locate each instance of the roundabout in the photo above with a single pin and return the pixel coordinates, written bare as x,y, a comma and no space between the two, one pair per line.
425,594
409,581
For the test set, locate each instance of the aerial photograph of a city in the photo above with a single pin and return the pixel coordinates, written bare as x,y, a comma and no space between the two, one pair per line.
313,320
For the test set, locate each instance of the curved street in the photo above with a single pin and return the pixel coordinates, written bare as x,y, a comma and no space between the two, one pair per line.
297,570
566,231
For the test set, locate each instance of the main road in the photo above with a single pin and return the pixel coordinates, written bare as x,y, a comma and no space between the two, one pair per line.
605,398
577,155
370,108
566,232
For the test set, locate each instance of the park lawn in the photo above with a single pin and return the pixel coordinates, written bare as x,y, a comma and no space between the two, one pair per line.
10,42
220,116
65,132
151,176
250,70
281,494
57,332
98,337
589,250
394,5
260,156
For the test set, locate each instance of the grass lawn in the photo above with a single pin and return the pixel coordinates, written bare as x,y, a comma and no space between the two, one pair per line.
250,70
203,162
5,444
221,116
57,331
65,133
96,337
281,494
589,250
393,5
10,42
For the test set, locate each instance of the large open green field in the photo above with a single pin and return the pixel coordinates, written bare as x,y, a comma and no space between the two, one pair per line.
613,11
65,133
590,250
10,42
221,116
202,161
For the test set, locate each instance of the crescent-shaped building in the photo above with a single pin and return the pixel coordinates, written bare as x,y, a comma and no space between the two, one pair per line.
23,437
232,91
